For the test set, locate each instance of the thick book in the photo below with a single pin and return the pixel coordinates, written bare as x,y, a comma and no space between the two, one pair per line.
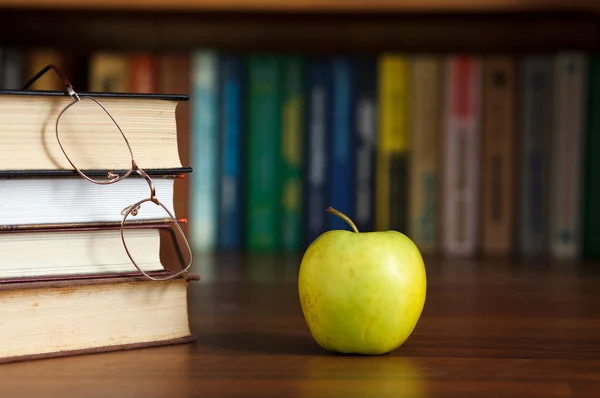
74,250
461,164
498,172
568,140
425,168
535,104
45,319
51,198
28,130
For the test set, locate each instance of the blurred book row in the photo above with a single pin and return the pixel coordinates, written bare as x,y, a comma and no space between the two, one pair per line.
466,154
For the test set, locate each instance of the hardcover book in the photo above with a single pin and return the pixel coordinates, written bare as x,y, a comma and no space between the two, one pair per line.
292,140
534,144
29,143
263,186
365,108
82,316
341,143
462,141
231,144
571,80
204,144
393,144
591,223
318,130
498,173
426,133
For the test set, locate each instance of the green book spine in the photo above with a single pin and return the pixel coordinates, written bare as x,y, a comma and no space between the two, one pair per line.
263,187
591,209
291,151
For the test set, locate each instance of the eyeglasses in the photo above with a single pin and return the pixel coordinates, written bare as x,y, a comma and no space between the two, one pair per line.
129,213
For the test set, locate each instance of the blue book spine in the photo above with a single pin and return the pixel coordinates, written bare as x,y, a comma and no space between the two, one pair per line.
365,131
316,149
341,145
204,131
230,126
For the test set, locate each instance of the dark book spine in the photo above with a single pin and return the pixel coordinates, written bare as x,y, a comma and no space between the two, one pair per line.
230,126
591,212
341,144
398,200
365,131
535,103
315,154
263,186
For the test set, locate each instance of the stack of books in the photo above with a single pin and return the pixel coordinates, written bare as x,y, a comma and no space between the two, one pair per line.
68,282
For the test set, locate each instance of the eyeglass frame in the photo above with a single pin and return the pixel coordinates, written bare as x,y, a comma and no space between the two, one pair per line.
114,177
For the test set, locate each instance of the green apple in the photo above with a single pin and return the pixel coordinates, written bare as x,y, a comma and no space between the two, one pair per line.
361,292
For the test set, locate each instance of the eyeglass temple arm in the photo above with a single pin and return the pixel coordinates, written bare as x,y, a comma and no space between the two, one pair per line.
65,81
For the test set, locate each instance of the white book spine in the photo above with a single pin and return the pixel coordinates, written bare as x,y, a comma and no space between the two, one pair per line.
570,78
461,155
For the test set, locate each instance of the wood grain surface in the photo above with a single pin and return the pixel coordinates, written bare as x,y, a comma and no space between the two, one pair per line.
490,328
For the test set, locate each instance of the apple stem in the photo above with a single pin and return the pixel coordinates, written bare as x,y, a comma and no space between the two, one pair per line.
342,215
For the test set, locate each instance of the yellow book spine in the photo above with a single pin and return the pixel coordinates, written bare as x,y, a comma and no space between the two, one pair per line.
38,59
109,72
393,136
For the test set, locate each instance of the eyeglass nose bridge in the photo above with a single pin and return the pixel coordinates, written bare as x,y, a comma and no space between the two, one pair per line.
149,181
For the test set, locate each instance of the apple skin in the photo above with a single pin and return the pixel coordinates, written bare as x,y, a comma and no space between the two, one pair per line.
362,293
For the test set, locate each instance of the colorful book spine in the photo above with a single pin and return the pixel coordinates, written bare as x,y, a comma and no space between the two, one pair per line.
591,225
263,187
204,132
341,144
316,149
462,138
535,104
231,85
425,138
143,73
109,72
498,155
292,127
392,150
365,133
570,103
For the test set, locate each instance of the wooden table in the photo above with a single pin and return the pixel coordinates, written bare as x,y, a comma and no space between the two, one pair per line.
490,328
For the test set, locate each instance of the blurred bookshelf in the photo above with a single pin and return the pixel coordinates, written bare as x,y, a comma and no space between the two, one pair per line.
259,71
